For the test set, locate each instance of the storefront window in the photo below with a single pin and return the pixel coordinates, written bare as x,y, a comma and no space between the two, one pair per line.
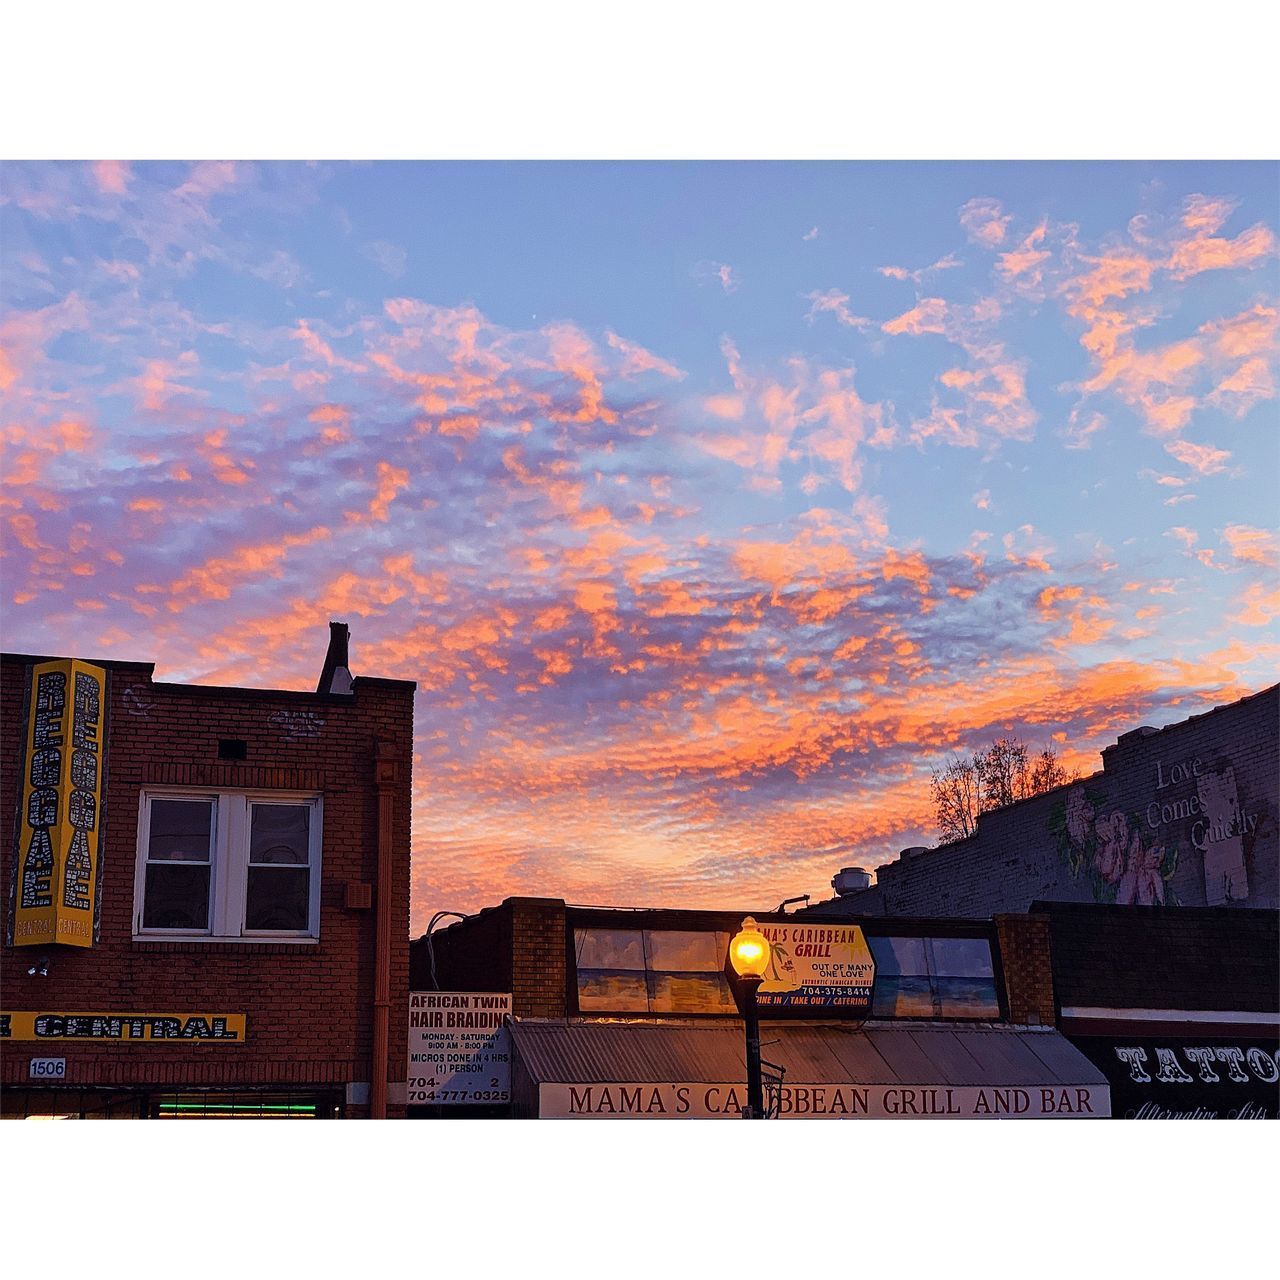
679,971
651,971
933,978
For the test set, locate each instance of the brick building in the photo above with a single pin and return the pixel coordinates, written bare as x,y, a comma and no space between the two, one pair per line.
627,1013
1180,1010
1183,816
208,905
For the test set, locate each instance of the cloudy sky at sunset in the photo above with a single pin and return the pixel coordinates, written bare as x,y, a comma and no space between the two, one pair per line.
711,506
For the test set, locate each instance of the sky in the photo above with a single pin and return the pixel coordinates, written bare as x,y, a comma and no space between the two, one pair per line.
711,506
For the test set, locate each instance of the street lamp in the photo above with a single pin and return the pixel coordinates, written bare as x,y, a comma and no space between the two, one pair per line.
749,955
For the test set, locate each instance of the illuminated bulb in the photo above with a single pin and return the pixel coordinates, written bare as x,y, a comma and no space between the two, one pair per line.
749,951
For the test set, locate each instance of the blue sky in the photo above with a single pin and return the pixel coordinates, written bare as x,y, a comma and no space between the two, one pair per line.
712,505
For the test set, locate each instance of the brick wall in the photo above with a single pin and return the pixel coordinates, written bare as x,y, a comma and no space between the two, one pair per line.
1028,970
1157,781
308,1005
538,936
518,946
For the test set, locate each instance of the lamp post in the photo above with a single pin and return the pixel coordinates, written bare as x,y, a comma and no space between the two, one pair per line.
749,955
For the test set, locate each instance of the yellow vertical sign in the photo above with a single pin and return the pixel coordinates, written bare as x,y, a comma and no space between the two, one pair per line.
60,821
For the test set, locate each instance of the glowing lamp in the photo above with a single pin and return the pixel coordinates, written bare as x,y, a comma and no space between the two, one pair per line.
749,951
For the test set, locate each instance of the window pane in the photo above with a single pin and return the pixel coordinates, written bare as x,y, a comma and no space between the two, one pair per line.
610,949
967,997
277,898
612,991
961,957
280,834
177,896
672,951
898,997
690,993
894,956
180,830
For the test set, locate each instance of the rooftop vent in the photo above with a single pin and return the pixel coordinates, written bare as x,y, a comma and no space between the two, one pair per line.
851,880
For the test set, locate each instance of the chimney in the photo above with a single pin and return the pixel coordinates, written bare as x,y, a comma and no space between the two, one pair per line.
335,675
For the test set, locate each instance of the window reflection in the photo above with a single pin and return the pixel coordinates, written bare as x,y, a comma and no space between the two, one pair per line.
895,956
612,992
933,978
610,948
652,971
682,971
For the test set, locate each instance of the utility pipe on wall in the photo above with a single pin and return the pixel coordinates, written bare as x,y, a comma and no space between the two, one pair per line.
386,776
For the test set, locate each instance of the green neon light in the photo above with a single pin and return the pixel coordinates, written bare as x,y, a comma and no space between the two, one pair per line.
215,1108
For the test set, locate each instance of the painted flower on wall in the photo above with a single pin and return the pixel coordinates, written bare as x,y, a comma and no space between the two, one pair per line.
1079,815
1142,884
1113,846
1107,849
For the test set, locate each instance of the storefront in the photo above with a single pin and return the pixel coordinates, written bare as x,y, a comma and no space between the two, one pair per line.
815,1071
196,880
632,1014
1179,1010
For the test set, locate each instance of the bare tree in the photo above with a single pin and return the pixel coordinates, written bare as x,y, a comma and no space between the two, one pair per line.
1002,774
955,799
1047,773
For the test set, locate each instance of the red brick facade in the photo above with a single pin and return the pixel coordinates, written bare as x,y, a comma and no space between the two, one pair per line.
1028,969
309,1004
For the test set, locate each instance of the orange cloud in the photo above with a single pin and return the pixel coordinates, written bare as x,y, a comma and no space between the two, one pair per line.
573,353
1252,546
391,480
219,575
1258,606
1026,260
1203,251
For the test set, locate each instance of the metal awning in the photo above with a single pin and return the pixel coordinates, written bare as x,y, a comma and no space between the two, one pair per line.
891,1069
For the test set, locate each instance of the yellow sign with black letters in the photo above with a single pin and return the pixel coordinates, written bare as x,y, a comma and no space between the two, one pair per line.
125,1028
60,821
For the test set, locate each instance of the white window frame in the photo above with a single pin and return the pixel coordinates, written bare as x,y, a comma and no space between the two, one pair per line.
229,874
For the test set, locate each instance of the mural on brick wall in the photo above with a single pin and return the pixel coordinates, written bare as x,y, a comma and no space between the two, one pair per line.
1129,856
1107,847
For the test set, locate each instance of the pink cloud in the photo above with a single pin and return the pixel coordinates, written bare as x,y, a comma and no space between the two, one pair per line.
207,178
636,360
837,304
1201,458
112,176
1025,262
1203,251
985,221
